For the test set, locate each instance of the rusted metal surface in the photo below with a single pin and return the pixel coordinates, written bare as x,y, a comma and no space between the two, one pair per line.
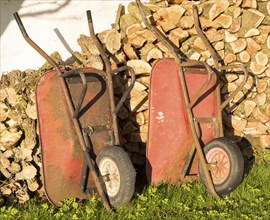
186,101
169,137
62,156
109,76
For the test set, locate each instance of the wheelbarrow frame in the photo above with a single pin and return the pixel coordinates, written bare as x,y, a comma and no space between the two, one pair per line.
189,104
74,112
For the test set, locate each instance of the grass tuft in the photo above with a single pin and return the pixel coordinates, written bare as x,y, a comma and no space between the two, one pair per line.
251,200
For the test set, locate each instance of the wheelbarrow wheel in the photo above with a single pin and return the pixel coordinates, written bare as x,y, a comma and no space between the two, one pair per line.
118,174
228,165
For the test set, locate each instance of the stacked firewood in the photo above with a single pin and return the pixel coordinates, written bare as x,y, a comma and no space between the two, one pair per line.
20,159
238,30
19,151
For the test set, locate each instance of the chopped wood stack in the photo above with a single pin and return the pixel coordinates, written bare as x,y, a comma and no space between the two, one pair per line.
20,159
227,24
238,30
19,155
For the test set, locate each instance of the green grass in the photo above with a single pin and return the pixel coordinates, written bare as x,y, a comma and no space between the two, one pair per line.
251,200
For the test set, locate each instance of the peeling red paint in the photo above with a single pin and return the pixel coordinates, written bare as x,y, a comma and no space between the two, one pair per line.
169,137
62,157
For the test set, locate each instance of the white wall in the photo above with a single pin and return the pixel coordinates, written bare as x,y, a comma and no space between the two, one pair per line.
40,18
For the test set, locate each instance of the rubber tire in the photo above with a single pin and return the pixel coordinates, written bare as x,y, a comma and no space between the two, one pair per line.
236,160
126,171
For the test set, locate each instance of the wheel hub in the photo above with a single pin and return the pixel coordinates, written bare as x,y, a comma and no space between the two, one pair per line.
221,168
109,170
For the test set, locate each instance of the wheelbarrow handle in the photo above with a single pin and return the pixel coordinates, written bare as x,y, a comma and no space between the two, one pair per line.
210,74
34,45
20,24
156,32
127,91
84,89
206,42
218,60
240,87
101,50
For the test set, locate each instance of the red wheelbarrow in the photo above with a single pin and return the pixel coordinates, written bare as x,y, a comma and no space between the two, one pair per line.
78,130
185,136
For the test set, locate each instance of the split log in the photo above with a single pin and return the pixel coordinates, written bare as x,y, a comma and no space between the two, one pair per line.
261,58
111,39
130,52
244,56
28,172
262,86
134,10
186,22
9,139
139,66
259,116
247,23
252,32
139,118
238,123
136,40
237,11
219,45
255,129
213,35
249,4
262,37
199,45
229,58
238,45
249,106
146,34
252,46
139,102
178,35
33,184
149,52
256,68
218,9
133,28
236,25
230,37
195,56
224,20
127,20
261,99
231,77
31,111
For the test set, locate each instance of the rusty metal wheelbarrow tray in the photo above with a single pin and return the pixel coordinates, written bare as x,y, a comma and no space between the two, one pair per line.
168,125
62,157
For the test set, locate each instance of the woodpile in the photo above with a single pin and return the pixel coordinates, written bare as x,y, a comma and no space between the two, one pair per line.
20,159
229,27
236,38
